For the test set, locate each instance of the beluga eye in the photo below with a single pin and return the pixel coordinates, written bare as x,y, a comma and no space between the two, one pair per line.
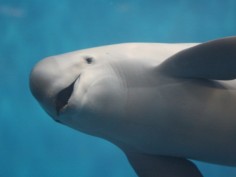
88,59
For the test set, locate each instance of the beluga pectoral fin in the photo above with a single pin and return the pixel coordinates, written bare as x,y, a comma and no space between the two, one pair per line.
211,60
147,165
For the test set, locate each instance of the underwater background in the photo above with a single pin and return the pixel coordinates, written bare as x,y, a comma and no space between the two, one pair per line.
31,143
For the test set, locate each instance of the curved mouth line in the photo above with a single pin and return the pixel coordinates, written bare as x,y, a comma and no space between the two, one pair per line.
63,97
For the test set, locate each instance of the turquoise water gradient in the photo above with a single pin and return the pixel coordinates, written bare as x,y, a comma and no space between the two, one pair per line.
31,144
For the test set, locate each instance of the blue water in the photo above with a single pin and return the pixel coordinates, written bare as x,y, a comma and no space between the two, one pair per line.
31,144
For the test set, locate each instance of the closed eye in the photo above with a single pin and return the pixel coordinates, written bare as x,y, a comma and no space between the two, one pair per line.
89,60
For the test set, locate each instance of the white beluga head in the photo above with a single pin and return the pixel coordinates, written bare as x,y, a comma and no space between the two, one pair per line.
73,87
157,102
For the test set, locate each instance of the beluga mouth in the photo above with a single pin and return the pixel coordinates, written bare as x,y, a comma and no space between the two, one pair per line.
63,97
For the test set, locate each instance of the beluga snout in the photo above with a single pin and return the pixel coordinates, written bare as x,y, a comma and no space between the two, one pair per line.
51,83
42,84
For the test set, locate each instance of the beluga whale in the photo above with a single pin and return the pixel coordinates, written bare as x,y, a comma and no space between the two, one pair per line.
162,104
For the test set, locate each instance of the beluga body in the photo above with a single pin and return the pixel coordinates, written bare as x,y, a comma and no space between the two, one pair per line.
162,104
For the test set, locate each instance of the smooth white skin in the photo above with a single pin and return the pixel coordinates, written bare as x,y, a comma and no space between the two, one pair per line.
121,96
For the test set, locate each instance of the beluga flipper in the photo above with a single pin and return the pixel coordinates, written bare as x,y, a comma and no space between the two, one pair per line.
211,60
147,165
